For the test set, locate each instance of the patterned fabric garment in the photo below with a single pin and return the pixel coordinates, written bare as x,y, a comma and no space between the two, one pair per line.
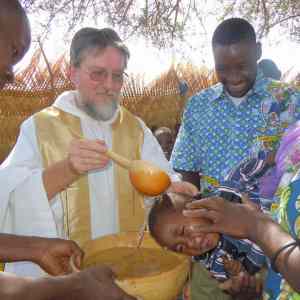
287,212
244,251
243,178
248,172
216,135
229,145
248,176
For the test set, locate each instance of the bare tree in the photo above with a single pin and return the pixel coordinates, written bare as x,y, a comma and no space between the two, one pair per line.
159,21
267,14
163,21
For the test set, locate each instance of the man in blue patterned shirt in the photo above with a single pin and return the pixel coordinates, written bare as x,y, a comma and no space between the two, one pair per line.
243,115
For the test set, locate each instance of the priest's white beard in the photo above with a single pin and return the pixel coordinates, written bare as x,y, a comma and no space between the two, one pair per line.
101,112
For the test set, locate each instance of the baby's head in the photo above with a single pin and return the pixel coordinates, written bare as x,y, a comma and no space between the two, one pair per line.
171,229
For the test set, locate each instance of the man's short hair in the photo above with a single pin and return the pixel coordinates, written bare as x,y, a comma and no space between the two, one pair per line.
232,31
93,38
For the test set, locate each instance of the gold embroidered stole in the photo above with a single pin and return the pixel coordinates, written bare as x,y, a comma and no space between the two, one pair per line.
54,137
127,140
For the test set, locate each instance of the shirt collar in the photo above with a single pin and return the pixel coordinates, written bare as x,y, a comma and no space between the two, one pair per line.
257,87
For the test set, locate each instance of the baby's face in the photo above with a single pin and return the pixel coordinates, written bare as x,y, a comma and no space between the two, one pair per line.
174,232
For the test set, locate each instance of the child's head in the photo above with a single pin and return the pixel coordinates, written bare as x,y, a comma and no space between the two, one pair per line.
270,69
171,229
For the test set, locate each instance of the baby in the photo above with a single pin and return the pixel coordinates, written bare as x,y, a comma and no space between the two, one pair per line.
172,230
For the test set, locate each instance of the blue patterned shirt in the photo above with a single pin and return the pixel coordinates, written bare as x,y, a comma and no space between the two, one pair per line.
216,135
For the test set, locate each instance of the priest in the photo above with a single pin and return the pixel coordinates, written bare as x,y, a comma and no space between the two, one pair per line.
58,179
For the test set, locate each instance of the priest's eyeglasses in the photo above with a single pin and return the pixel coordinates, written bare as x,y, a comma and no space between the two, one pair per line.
101,75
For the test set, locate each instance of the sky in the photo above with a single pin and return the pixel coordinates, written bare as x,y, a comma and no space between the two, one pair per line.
151,62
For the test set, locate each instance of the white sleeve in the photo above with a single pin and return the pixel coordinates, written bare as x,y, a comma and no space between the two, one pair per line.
152,151
24,206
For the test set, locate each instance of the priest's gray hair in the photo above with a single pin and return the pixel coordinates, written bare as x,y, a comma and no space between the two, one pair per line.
92,38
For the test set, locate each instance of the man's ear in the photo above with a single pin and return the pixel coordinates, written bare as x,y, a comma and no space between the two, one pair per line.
258,51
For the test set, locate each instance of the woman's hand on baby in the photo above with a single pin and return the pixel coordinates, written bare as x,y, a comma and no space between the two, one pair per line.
249,203
228,218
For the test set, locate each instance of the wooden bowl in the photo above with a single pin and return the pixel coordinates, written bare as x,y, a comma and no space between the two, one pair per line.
165,285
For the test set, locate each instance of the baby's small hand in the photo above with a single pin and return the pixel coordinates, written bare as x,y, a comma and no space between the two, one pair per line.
187,291
243,286
232,266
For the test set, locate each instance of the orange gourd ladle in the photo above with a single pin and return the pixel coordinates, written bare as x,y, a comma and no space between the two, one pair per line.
147,178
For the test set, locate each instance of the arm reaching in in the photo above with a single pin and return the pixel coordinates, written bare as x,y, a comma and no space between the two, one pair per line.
91,284
244,221
52,255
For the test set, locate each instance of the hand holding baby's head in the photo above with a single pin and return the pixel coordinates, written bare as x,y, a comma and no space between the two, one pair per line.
171,229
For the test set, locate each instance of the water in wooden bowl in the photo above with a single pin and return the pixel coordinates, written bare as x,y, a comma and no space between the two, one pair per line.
148,272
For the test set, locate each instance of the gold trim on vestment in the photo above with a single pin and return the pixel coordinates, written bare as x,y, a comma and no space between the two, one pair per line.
54,137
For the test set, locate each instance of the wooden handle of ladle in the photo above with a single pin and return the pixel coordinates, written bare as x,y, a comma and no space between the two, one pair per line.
120,160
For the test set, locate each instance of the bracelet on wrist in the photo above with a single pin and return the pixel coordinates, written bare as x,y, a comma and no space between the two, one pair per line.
295,243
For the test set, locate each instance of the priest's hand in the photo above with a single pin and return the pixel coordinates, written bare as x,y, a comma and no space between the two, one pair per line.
87,155
83,155
54,255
